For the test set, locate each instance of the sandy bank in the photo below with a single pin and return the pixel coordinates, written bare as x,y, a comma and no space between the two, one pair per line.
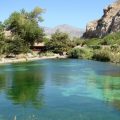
15,60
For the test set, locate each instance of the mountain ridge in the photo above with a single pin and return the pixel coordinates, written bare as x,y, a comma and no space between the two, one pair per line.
70,30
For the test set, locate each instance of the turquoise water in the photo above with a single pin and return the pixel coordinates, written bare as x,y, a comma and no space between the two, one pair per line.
60,90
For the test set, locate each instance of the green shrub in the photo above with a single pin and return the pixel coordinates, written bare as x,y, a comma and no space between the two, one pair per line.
59,43
85,53
93,42
95,47
101,55
46,54
115,48
16,46
79,41
74,53
111,39
115,57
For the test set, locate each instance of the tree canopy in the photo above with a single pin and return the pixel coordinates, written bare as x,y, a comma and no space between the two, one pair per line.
24,31
26,25
59,42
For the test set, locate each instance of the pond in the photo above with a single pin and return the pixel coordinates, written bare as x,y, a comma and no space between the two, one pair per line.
65,89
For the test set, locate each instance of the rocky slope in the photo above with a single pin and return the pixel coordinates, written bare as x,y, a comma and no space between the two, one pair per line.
72,31
109,22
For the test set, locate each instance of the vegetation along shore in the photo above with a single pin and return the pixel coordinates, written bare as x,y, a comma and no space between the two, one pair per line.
22,38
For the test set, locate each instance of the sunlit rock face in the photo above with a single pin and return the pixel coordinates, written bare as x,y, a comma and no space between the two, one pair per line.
108,23
115,26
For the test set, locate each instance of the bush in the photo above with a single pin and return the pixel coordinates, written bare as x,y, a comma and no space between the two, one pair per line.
46,54
111,39
93,42
95,47
102,55
15,46
85,53
59,43
115,48
79,41
115,57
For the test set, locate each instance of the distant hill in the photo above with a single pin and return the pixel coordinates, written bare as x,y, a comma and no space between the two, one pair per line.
72,31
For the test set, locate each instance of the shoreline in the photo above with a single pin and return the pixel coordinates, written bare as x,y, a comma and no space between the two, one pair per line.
20,60
28,59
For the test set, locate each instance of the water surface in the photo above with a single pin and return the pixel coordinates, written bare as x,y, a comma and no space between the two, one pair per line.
60,90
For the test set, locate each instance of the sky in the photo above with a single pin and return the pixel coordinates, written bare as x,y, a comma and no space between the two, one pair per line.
72,12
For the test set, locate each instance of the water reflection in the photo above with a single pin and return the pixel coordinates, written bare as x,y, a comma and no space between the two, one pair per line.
2,82
107,87
59,89
23,87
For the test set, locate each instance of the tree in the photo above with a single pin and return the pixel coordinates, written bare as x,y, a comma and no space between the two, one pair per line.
15,46
59,43
36,14
26,25
1,27
2,38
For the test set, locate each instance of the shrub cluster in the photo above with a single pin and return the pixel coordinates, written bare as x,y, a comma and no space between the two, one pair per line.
105,53
84,53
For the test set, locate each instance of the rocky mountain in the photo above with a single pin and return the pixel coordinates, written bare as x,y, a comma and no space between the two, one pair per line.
108,23
72,31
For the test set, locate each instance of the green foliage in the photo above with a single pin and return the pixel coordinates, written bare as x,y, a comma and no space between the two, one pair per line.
85,53
36,14
1,27
2,41
16,46
79,41
74,53
47,54
95,47
102,55
26,25
115,57
46,40
59,43
108,53
25,32
111,39
93,42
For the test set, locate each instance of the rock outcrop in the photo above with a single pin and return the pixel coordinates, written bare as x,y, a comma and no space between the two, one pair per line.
109,23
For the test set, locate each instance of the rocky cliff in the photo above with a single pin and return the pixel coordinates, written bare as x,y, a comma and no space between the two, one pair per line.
109,23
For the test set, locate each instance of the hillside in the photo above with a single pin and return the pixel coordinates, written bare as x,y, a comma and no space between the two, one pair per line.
72,31
108,23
